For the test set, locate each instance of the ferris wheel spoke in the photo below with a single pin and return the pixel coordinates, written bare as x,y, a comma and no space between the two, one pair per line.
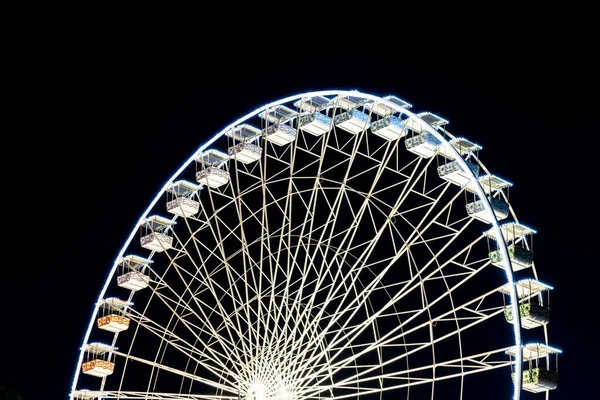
349,233
176,372
304,264
133,395
325,271
279,312
371,247
471,317
410,377
407,288
341,313
211,284
375,315
210,357
233,329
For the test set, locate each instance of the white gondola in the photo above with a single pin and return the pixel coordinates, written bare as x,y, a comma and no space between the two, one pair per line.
492,186
245,151
180,201
111,316
389,128
453,172
500,207
134,280
183,206
86,394
113,323
97,360
537,377
533,312
314,118
280,134
519,249
212,173
424,144
157,241
153,233
131,273
315,123
213,177
353,121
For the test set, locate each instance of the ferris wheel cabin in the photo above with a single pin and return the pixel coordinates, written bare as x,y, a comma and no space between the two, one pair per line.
517,238
111,315
277,130
131,272
534,303
493,187
211,172
153,233
538,376
389,126
422,142
246,150
312,119
86,394
97,360
352,120
180,199
451,170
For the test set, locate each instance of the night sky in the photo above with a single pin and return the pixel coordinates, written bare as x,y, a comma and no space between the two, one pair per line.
113,126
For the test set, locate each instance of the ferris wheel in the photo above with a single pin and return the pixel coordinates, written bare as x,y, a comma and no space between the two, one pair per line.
328,245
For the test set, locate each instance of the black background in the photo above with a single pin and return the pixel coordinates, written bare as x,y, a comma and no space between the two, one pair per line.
103,123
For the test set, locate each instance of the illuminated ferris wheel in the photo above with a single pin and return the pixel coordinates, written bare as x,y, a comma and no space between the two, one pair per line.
329,245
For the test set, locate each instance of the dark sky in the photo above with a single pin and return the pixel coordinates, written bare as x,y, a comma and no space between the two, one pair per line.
113,125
